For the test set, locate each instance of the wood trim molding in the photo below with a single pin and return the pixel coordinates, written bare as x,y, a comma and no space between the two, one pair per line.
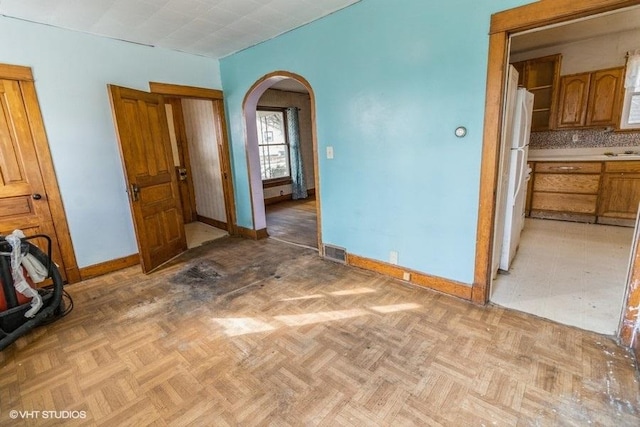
253,234
629,333
45,161
224,150
184,91
449,287
489,169
16,72
109,266
213,222
503,24
546,12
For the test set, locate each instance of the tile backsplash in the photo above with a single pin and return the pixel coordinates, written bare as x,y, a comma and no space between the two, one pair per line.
587,138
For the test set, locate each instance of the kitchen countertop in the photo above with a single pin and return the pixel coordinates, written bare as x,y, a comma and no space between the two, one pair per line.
584,154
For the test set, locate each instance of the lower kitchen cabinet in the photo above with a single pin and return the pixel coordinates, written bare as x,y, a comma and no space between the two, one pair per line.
620,194
594,192
566,190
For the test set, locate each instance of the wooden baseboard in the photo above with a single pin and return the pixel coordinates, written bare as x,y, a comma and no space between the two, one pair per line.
622,222
277,199
449,287
272,200
253,234
213,222
109,266
563,216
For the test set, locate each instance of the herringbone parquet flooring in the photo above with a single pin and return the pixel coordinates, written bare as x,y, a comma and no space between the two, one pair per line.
264,333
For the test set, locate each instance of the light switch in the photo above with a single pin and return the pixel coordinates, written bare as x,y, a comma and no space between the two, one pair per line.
329,152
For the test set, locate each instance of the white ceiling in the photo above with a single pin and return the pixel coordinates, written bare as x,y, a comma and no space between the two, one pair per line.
581,29
213,28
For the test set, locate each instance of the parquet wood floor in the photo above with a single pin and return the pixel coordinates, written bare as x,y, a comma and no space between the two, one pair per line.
239,332
294,221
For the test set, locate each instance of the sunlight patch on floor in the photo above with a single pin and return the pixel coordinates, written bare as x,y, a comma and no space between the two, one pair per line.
395,307
356,291
234,326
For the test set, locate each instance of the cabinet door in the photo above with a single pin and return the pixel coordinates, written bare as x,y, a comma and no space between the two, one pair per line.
604,97
573,100
620,195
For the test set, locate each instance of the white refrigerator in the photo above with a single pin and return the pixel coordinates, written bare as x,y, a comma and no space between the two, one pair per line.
515,188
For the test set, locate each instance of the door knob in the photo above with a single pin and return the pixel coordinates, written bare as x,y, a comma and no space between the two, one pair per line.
135,192
36,196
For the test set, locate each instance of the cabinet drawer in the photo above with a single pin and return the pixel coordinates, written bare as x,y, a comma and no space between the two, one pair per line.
567,183
569,167
561,202
622,166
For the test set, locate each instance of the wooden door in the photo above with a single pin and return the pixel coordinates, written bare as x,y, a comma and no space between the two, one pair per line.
572,102
145,148
24,202
182,162
604,97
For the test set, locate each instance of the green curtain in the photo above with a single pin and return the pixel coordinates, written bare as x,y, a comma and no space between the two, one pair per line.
299,186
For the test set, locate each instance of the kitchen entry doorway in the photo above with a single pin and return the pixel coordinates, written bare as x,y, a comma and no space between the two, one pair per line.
573,273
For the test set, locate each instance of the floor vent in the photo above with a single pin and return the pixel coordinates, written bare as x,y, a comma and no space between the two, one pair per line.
335,253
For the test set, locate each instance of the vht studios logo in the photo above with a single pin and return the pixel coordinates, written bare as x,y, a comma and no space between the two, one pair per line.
52,415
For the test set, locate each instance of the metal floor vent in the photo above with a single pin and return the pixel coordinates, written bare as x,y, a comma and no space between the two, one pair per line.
335,253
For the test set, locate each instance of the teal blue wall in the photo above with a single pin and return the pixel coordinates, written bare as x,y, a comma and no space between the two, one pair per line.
392,81
71,73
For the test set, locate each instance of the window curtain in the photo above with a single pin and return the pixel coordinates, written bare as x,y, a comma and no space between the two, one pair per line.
298,184
632,79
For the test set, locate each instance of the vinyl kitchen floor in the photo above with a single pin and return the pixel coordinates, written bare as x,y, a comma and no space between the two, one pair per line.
568,272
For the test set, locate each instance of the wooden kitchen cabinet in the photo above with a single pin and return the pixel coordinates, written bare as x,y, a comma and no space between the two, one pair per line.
573,100
590,99
620,194
605,92
540,77
566,190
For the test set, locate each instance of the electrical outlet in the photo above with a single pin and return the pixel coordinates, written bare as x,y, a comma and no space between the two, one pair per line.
575,137
406,276
329,152
393,257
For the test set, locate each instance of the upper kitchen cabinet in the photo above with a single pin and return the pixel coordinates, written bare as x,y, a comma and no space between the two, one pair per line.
540,77
590,99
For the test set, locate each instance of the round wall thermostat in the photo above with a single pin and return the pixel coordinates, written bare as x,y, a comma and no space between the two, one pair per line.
461,131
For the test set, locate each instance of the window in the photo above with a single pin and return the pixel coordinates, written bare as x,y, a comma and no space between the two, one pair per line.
272,144
631,106
631,110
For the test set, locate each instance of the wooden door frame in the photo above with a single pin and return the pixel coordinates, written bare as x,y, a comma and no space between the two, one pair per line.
24,76
216,96
503,24
260,85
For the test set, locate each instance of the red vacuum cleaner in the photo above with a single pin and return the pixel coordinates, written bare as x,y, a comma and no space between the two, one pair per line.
24,306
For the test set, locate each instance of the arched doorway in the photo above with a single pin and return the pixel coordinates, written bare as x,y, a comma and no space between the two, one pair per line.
272,161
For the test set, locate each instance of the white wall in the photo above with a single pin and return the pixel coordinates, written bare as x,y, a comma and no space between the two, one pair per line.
204,157
591,54
282,99
71,73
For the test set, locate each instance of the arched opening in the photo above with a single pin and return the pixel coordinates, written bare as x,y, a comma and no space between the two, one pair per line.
277,171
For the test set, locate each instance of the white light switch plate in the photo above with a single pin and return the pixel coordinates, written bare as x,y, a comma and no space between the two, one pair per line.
329,152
